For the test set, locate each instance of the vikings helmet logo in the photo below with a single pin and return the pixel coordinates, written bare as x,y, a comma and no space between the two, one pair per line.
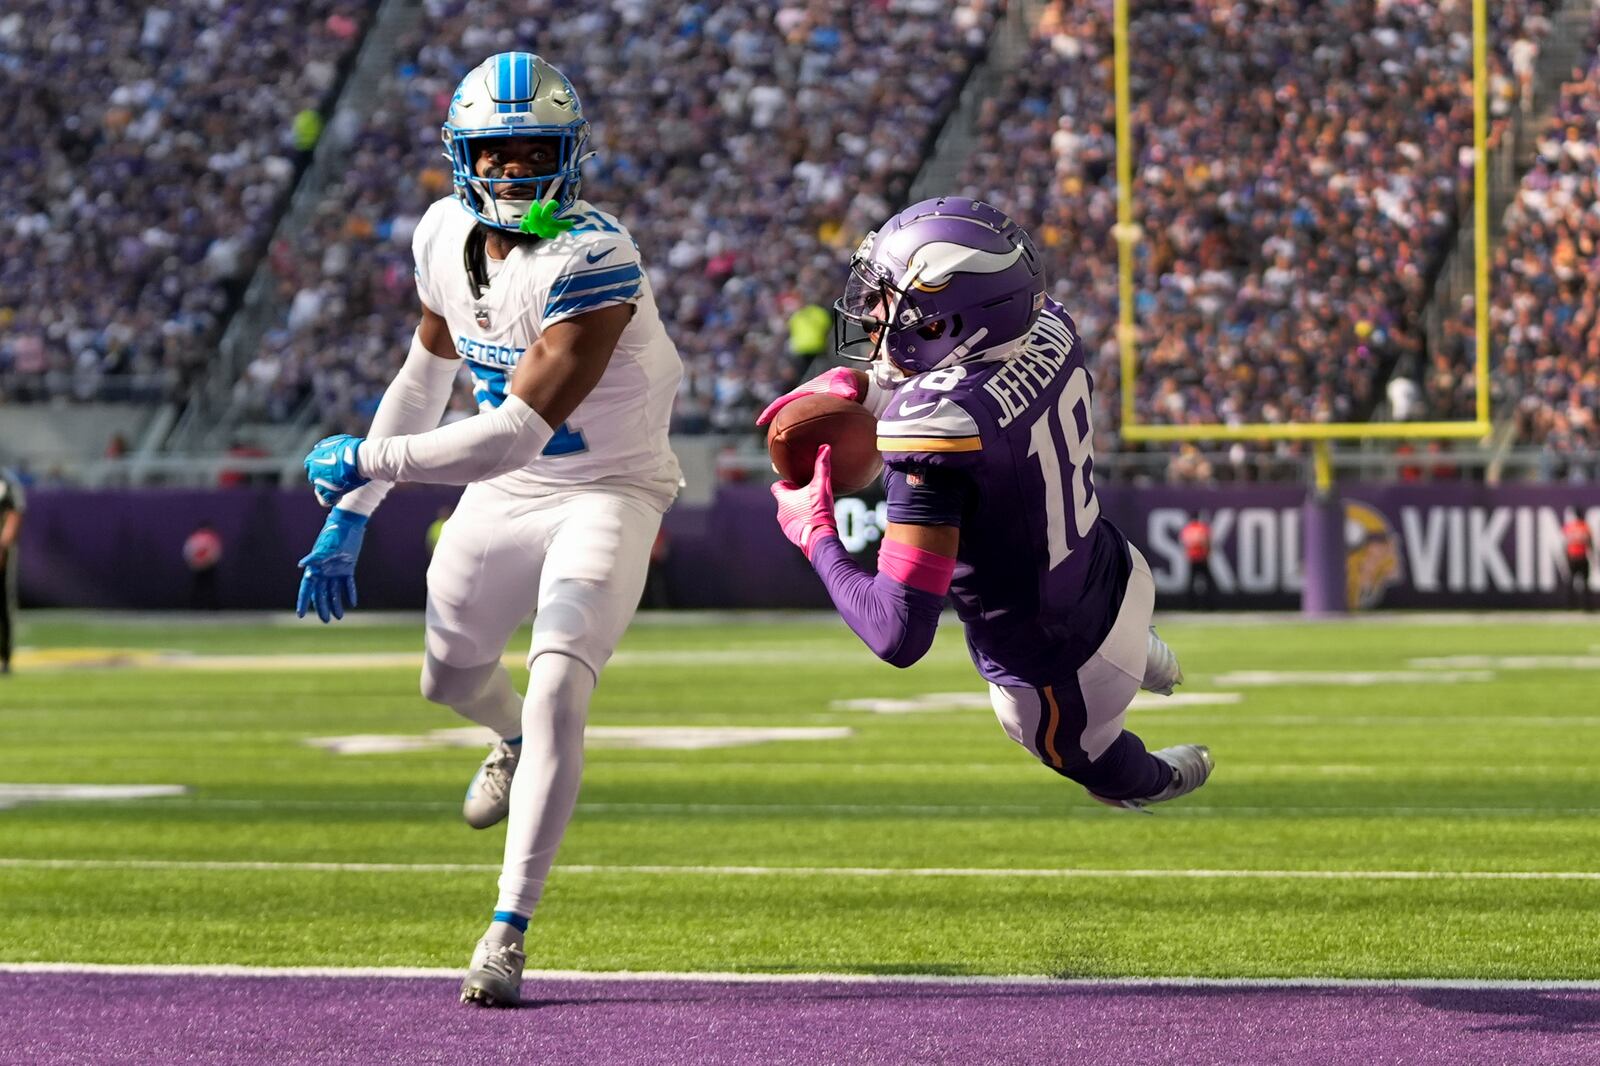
1373,562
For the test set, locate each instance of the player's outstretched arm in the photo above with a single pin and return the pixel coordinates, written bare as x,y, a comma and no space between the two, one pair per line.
895,612
549,382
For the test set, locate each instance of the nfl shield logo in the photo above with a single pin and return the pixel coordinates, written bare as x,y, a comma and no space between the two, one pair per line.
482,315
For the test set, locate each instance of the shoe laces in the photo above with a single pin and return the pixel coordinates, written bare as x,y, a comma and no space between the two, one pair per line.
503,960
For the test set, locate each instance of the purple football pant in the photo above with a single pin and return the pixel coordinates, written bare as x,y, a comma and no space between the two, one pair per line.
1075,726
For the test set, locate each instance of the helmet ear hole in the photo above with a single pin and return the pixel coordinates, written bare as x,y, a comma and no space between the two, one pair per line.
933,330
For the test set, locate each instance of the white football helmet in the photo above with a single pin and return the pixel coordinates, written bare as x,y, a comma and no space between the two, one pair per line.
514,94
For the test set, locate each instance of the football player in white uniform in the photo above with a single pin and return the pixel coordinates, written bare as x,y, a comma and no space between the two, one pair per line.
542,297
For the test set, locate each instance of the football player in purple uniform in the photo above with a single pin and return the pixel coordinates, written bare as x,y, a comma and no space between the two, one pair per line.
986,424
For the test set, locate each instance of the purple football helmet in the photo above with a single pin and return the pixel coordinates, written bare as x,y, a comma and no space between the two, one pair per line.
945,281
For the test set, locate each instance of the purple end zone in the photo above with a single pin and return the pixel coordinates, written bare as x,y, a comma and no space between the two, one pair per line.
100,1018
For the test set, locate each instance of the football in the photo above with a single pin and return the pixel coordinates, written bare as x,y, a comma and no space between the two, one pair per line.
808,423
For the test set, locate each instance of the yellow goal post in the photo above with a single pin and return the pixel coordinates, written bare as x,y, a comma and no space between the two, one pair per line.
1127,234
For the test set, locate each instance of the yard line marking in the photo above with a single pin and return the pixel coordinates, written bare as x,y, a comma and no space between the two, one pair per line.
1508,662
1350,677
903,809
12,795
811,871
1443,718
628,737
152,659
758,978
948,810
840,655
933,702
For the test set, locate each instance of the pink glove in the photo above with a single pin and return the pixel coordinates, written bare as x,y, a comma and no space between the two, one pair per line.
841,381
806,513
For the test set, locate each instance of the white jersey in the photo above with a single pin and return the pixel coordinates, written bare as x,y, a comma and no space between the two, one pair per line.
618,434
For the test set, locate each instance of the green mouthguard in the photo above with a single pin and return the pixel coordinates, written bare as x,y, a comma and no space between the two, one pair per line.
541,220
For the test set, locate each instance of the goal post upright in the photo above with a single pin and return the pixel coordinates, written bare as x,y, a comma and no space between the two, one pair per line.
1325,555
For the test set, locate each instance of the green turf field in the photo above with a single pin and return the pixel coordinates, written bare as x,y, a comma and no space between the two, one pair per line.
1494,770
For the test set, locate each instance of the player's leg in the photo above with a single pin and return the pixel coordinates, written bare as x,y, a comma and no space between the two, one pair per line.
1076,727
593,575
483,582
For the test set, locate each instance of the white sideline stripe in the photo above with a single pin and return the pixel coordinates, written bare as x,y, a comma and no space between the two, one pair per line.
812,871
973,980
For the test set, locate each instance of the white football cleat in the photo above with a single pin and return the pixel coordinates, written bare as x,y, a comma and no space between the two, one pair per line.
1161,669
1191,766
494,979
489,794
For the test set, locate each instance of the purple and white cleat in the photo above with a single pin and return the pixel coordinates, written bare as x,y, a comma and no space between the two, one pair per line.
1191,766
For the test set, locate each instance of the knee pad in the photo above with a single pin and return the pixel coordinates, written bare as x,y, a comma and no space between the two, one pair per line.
573,622
454,685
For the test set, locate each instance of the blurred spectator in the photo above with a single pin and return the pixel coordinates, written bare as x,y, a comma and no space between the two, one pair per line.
1196,539
235,478
146,159
1580,546
810,331
306,129
1189,467
747,146
1545,310
1404,398
202,554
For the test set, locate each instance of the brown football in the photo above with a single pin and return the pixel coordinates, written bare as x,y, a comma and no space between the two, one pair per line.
806,424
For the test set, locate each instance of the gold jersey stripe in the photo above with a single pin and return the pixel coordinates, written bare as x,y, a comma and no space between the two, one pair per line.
930,444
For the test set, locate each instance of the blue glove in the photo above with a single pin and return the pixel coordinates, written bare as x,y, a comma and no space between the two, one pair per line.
332,469
329,581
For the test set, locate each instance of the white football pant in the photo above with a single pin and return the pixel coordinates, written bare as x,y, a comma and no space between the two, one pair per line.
577,562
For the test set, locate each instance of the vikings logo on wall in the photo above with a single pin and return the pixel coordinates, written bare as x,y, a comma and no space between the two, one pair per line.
1374,562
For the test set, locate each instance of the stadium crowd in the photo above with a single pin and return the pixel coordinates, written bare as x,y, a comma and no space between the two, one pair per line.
1297,178
148,149
1545,308
747,148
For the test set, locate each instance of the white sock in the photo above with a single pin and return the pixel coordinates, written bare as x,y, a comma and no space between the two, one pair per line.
545,790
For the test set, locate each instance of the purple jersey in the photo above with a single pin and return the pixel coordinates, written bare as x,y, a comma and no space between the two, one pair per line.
1005,450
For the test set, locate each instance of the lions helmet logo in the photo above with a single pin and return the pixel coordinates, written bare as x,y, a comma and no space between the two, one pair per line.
1373,560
